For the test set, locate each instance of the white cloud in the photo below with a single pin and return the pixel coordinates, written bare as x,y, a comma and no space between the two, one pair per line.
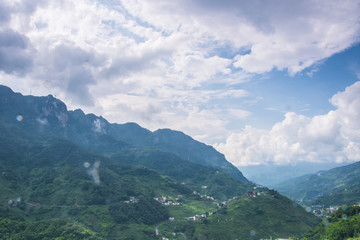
179,38
280,34
188,110
175,64
239,113
333,137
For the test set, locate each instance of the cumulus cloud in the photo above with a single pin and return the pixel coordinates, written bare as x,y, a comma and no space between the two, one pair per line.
333,137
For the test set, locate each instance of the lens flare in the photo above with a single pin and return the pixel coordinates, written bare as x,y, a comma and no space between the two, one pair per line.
19,118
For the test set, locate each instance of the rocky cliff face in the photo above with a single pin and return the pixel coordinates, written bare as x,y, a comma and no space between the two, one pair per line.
45,115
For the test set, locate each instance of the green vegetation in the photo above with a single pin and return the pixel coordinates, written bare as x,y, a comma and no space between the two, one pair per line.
59,229
47,178
349,196
342,224
270,215
218,184
191,208
51,180
266,215
175,142
144,210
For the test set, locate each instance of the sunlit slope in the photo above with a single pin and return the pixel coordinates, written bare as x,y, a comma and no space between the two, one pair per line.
270,215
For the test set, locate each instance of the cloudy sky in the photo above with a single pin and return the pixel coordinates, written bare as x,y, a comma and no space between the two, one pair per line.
262,81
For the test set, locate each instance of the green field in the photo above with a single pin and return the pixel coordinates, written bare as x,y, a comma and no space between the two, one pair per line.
191,208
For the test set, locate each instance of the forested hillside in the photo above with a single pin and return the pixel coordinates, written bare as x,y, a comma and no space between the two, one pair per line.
339,184
342,224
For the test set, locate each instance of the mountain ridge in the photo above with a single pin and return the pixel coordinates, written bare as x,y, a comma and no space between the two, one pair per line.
49,116
308,188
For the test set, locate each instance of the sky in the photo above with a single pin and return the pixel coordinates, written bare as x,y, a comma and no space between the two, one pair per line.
264,82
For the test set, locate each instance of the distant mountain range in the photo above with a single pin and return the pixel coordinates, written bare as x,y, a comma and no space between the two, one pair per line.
336,186
271,175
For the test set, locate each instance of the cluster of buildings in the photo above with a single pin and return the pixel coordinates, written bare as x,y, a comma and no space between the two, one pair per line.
168,201
204,196
132,200
258,192
321,212
255,194
197,217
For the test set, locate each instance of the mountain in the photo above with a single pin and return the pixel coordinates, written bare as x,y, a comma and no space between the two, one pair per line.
271,175
76,176
49,116
342,224
203,179
175,142
312,187
345,196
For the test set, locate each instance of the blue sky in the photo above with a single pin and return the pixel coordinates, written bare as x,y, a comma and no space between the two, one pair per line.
304,94
264,82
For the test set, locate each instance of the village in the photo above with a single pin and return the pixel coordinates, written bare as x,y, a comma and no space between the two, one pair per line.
320,211
258,191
